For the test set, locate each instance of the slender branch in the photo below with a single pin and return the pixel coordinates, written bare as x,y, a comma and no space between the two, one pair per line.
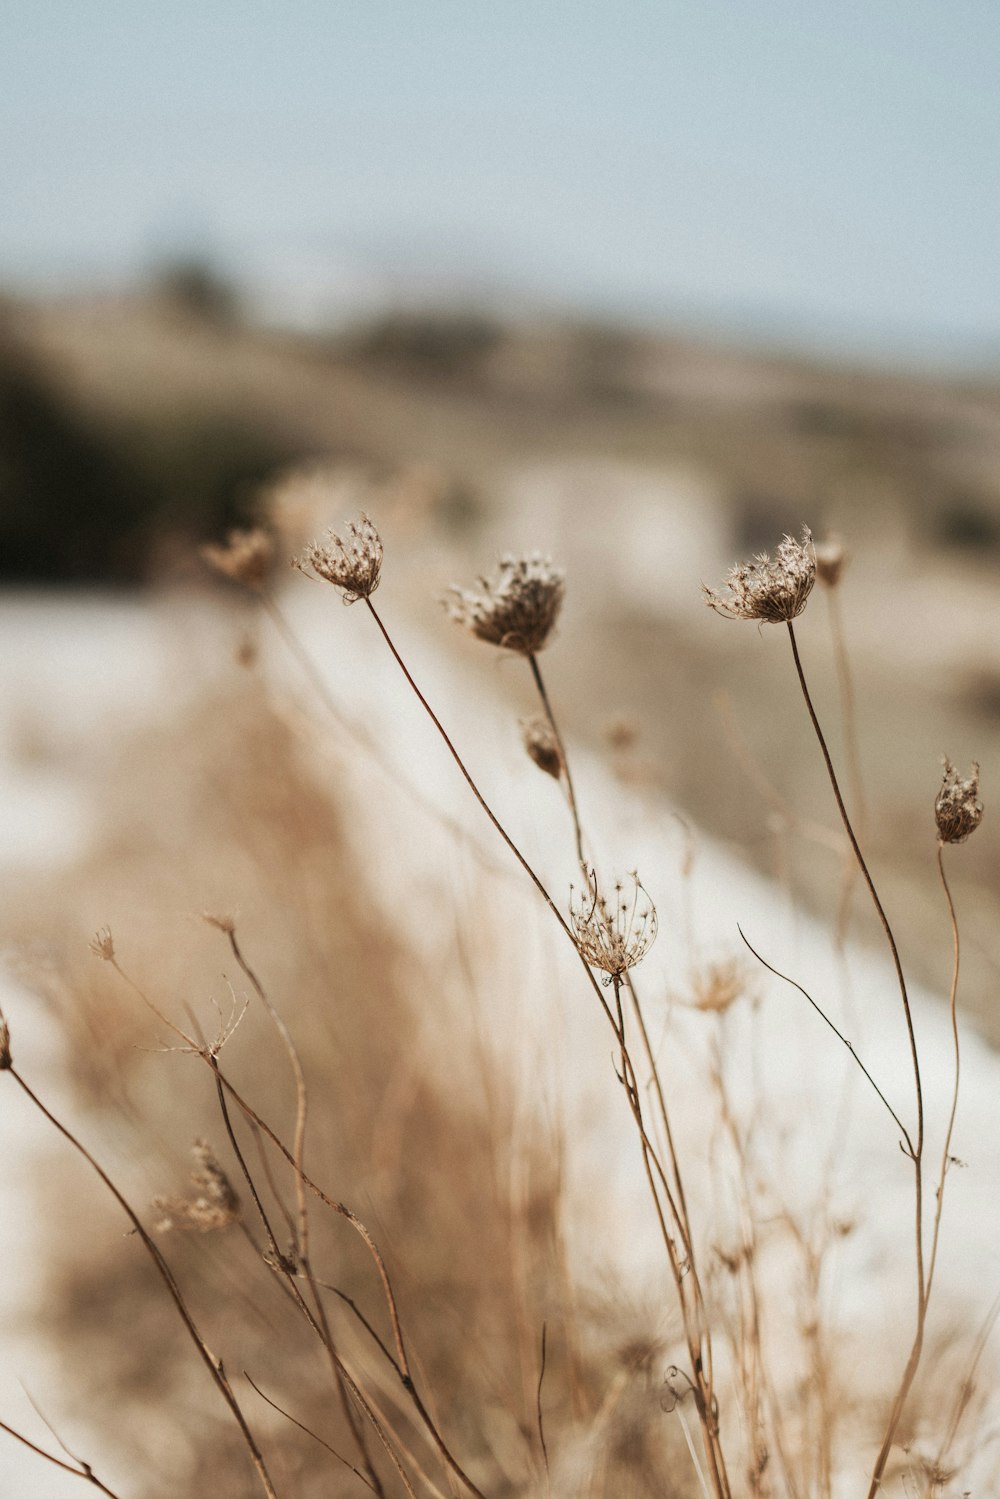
213,1364
570,792
953,1015
309,1433
539,1417
838,1033
84,1471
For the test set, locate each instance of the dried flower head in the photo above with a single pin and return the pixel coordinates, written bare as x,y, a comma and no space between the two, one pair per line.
958,810
515,609
102,944
353,565
773,591
719,985
6,1060
221,920
214,1205
246,557
542,745
831,557
613,934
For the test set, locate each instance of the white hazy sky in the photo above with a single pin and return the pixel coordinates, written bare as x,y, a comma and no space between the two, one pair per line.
825,171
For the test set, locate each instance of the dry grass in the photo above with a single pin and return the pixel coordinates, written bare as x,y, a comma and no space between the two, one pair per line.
335,1062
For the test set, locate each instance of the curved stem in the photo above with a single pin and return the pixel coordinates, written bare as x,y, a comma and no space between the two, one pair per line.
918,1190
953,1014
570,792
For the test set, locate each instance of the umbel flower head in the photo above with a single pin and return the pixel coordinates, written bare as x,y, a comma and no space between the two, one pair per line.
771,590
613,934
516,608
353,565
246,557
958,810
214,1204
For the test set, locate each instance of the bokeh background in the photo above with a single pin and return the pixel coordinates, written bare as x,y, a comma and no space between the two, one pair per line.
643,287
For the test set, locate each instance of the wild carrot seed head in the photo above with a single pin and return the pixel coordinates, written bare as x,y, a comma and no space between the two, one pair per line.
773,591
215,1203
613,933
516,609
353,565
102,944
958,810
246,557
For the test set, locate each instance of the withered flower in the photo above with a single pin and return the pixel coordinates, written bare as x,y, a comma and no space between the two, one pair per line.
6,1060
958,810
541,745
613,934
516,609
353,565
102,944
215,1203
246,557
772,591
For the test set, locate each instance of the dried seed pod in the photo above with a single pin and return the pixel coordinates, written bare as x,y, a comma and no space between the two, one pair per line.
247,557
773,591
353,565
958,810
541,745
516,609
613,934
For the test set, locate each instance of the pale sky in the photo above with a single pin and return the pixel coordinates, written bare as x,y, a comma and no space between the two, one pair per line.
825,171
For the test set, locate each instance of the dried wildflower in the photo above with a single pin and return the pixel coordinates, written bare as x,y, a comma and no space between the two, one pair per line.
774,592
247,557
353,565
831,557
516,609
613,935
542,745
718,986
6,1060
215,1204
102,945
221,920
958,810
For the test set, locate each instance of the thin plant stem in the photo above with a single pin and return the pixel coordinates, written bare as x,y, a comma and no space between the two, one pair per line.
706,1404
838,1033
953,1015
309,1432
84,1471
913,1361
567,773
213,1364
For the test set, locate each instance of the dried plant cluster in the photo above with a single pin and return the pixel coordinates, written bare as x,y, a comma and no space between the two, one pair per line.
516,609
613,932
958,810
434,1340
773,591
353,565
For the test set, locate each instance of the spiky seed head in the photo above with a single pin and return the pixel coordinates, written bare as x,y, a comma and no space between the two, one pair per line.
102,944
6,1060
773,591
353,564
246,557
541,745
613,932
831,558
516,609
215,1203
958,810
